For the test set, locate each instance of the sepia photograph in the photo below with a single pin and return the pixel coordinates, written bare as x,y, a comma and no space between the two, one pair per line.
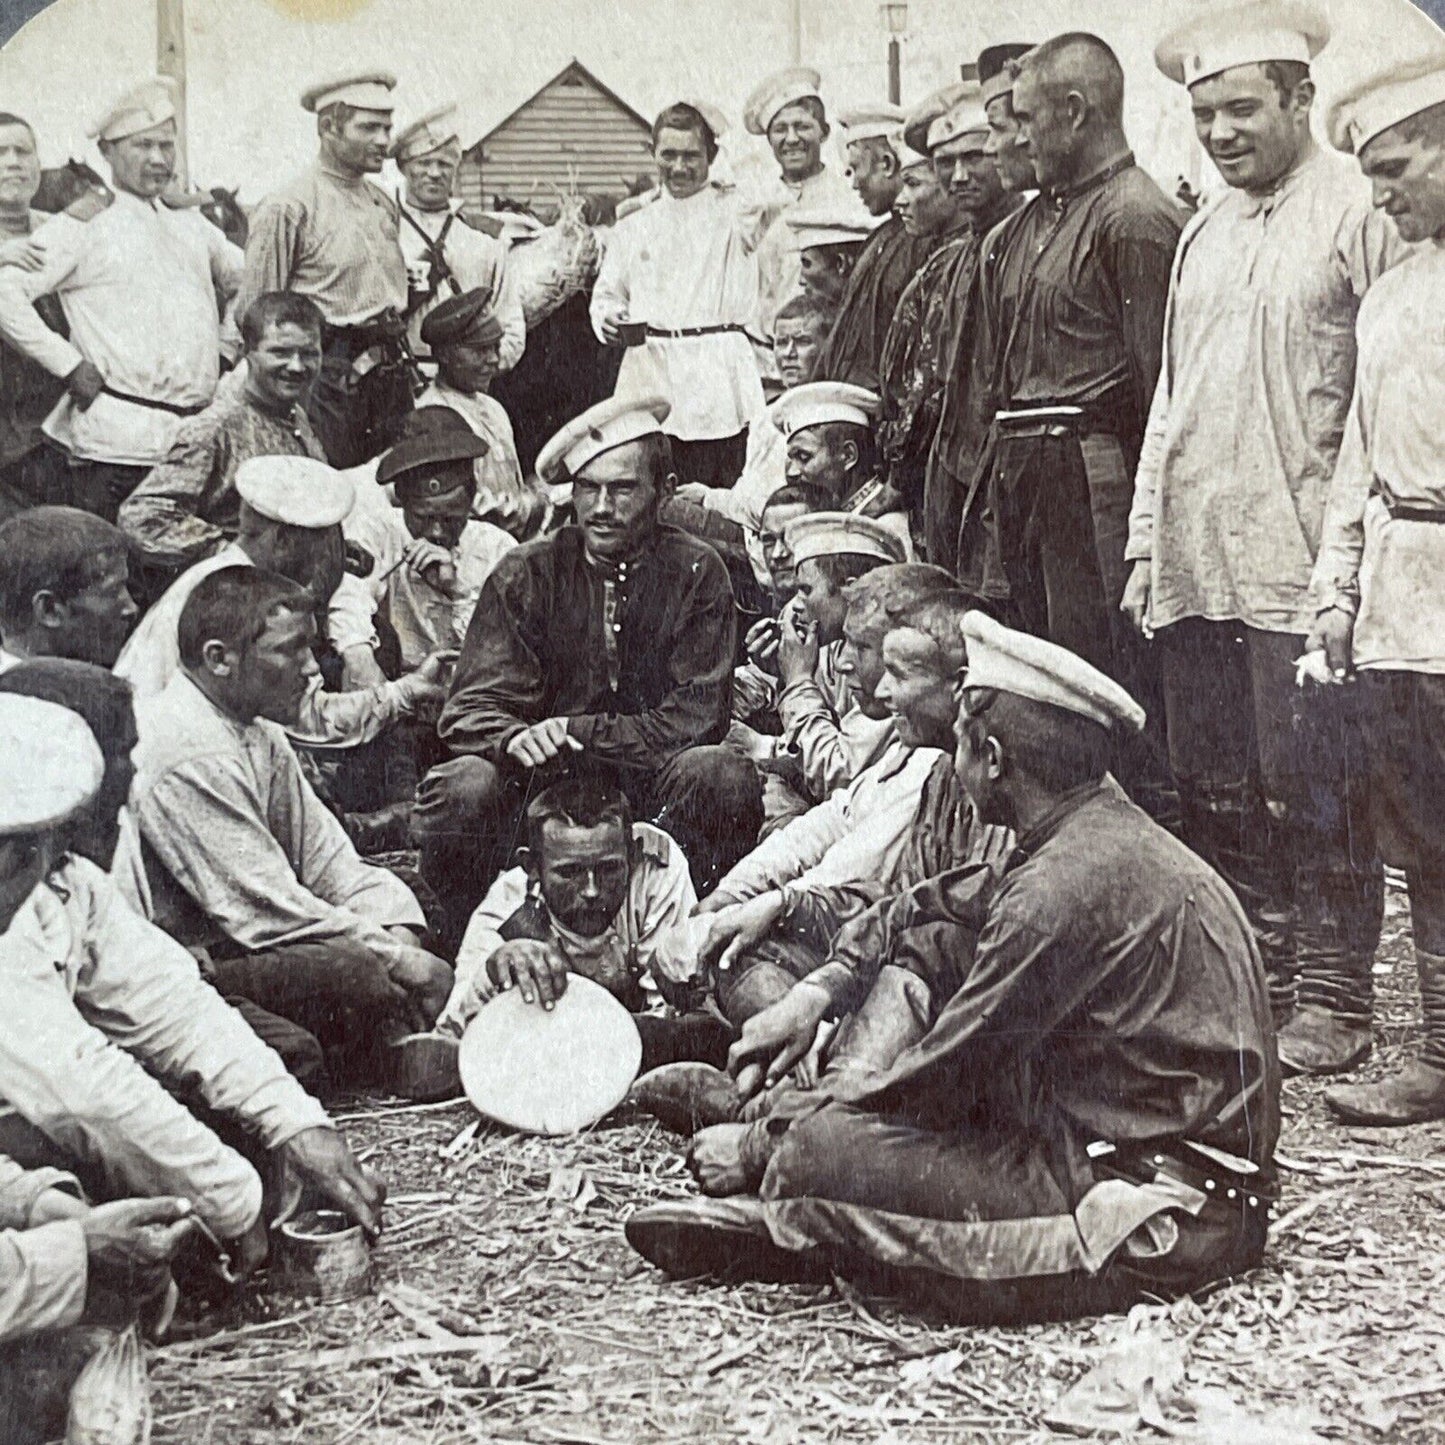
722,722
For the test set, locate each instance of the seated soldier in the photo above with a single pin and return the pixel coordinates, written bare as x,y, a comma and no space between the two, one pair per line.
242,857
465,338
825,737
606,647
432,555
828,242
63,587
1089,1114
800,330
186,506
830,445
102,1009
593,893
790,907
290,522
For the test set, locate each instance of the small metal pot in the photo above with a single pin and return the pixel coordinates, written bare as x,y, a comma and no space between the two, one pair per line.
325,1256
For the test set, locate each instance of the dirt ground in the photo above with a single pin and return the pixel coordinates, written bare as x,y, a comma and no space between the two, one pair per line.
509,1308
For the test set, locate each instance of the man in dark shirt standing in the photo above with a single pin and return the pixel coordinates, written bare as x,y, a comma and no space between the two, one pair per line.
1067,349
887,261
605,647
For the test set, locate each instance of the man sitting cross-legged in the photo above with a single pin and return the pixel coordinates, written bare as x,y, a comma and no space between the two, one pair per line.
1090,1112
593,893
241,855
794,902
102,1009
605,648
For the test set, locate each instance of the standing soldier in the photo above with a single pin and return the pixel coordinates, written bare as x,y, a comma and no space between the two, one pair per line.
333,235
138,284
1377,581
954,453
445,255
788,110
1228,504
888,259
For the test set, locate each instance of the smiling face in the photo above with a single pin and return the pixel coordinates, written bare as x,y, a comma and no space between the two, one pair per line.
430,178
682,163
283,364
19,167
971,178
796,136
860,659
470,366
1408,178
144,163
1255,135
617,497
917,687
583,873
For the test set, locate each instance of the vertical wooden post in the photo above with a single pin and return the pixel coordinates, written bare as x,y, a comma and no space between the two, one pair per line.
171,62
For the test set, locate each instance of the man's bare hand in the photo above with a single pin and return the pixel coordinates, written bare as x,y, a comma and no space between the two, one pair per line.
774,1040
762,642
1135,605
131,1243
538,969
24,252
608,326
425,982
433,564
715,1158
737,929
322,1159
713,903
755,746
798,648
84,384
1334,635
537,745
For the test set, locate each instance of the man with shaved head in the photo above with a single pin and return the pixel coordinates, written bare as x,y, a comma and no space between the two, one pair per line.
1072,290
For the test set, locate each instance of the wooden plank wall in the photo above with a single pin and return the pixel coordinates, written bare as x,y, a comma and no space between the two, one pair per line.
571,135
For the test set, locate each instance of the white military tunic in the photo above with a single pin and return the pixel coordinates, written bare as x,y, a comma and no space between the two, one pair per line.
678,265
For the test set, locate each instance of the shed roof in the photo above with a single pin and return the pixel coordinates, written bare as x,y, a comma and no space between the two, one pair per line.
573,66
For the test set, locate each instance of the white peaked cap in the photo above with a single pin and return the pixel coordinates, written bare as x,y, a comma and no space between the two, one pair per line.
817,403
1252,33
783,89
299,491
1027,666
142,107
611,423
1381,101
50,764
839,534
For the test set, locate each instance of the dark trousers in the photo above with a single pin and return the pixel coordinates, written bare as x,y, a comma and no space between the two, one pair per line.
468,818
98,487
34,480
1274,792
355,409
717,462
943,498
1062,501
984,1208
336,994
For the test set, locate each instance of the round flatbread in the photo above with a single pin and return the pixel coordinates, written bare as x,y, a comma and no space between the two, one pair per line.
550,1071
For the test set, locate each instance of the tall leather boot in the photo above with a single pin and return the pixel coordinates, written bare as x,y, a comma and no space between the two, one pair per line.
1231,829
1340,909
1416,1095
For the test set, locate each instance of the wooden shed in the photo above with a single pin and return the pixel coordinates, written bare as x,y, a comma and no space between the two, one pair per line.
574,134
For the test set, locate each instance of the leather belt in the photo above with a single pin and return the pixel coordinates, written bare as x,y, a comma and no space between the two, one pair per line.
1404,511
152,404
1042,421
1206,1172
663,333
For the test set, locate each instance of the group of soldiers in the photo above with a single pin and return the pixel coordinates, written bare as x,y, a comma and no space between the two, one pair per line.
958,693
